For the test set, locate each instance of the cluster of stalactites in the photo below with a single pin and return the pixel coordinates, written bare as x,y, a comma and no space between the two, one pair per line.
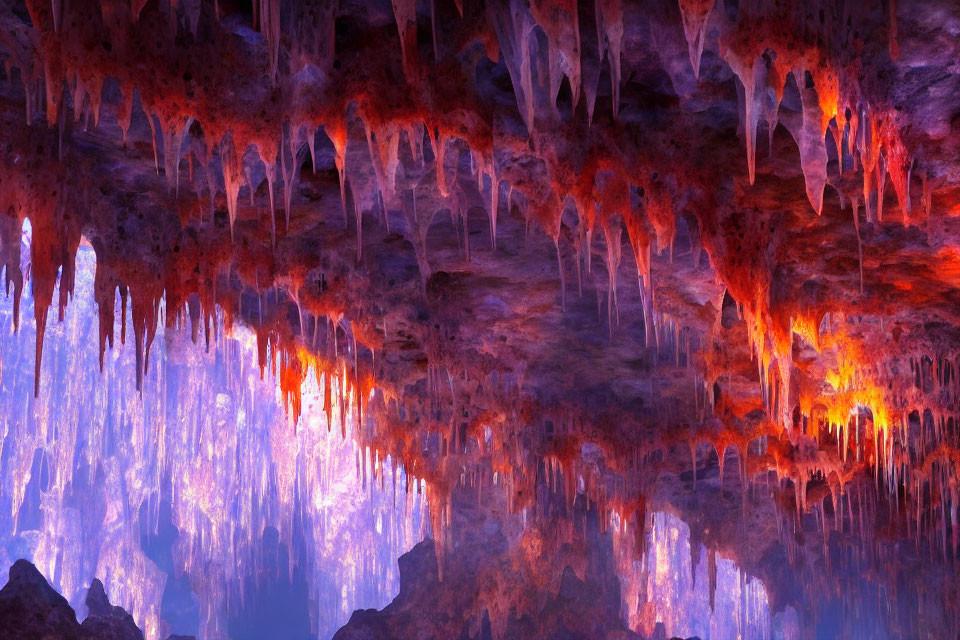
515,26
55,238
894,434
173,131
336,367
865,134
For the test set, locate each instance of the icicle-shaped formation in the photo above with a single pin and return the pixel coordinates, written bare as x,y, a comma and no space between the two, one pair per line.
173,131
336,128
749,69
405,12
291,155
560,22
383,141
776,80
270,28
514,26
610,35
232,170
268,156
696,18
439,144
10,257
810,138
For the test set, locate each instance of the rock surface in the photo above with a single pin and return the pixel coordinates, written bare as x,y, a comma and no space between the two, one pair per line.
538,243
487,590
106,621
30,609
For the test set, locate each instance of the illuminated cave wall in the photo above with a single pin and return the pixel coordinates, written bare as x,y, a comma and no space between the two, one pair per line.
690,591
94,476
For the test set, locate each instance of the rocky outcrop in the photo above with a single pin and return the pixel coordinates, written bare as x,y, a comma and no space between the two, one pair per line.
498,582
423,609
30,609
107,622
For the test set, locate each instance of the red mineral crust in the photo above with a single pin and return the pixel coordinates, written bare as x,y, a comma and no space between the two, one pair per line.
736,351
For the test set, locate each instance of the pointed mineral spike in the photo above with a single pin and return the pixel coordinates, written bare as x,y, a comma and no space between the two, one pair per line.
751,72
610,25
153,141
232,177
810,139
405,12
173,130
696,16
312,145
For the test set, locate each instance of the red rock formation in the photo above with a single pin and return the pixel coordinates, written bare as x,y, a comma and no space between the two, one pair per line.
821,351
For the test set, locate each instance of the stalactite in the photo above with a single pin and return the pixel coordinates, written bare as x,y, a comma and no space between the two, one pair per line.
696,16
610,35
232,170
750,72
173,130
810,139
405,13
